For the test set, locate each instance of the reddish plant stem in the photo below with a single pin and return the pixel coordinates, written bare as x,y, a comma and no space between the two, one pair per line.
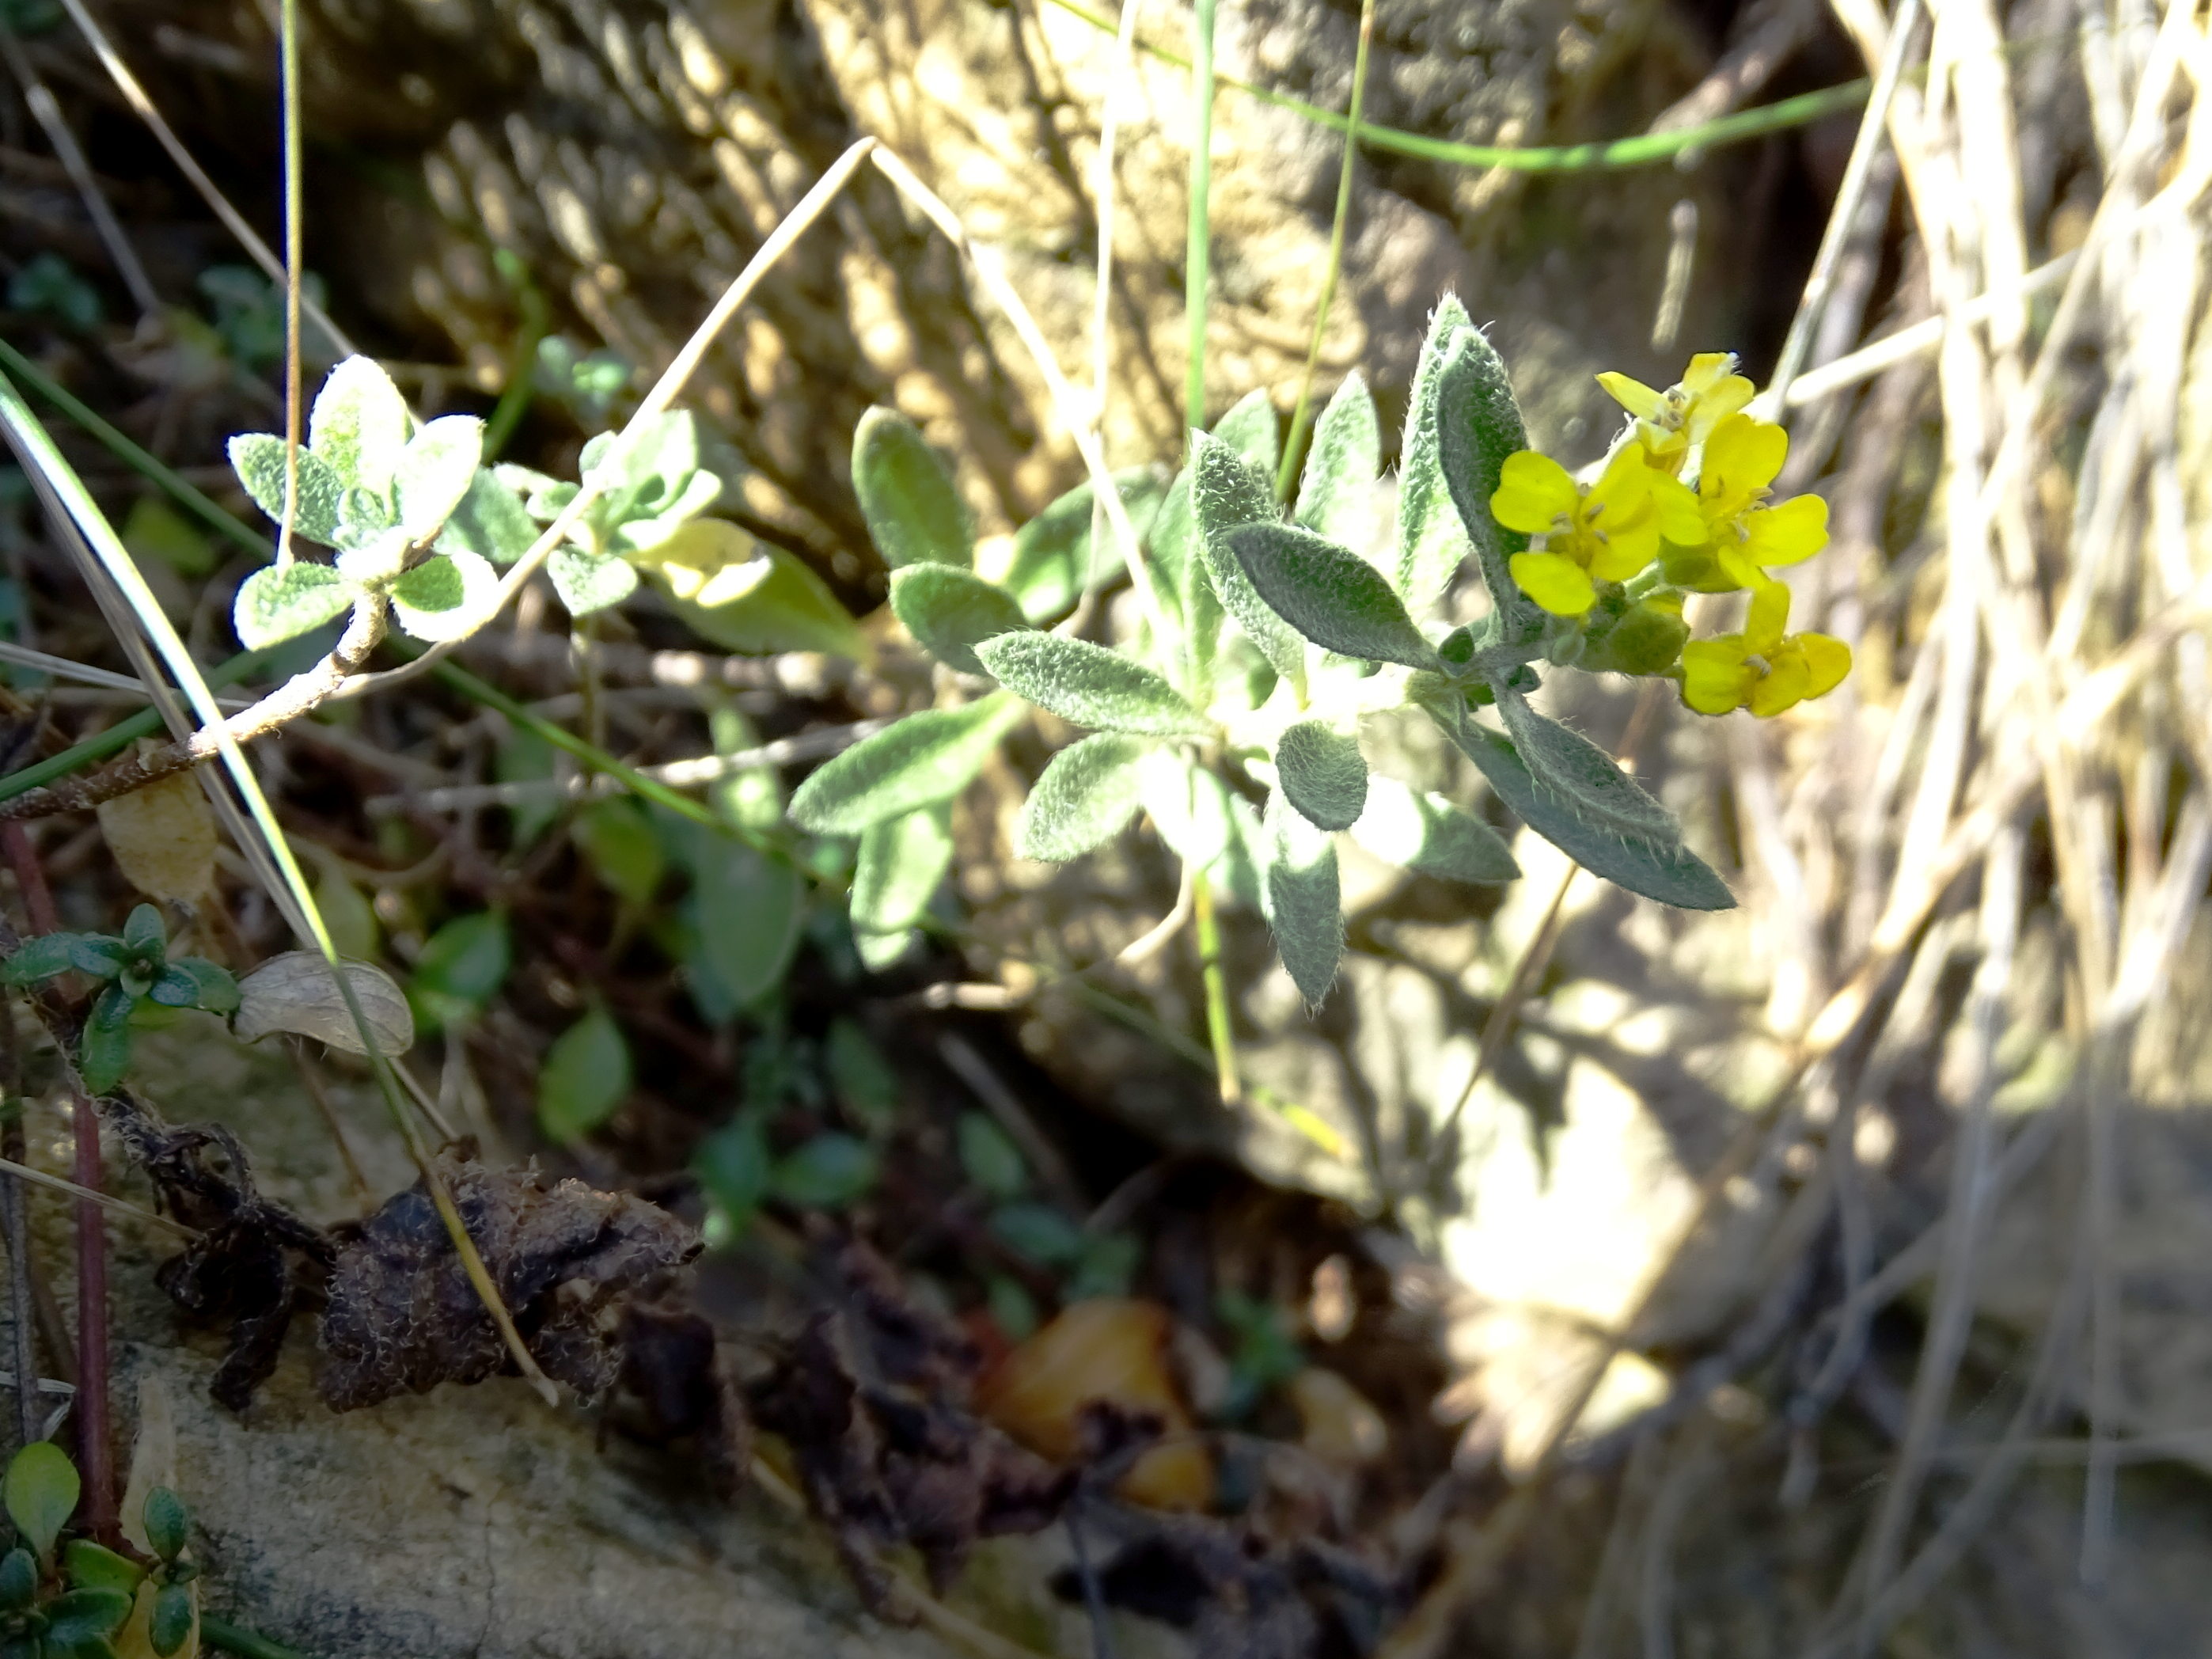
95,1447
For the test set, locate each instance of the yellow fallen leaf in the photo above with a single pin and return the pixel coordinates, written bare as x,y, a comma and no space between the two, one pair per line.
163,838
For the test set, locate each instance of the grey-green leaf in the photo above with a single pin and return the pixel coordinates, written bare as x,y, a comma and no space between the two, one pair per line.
1336,496
258,457
40,1491
906,494
1478,426
586,582
1321,773
1090,685
950,610
275,604
1665,871
1583,776
359,424
902,861
750,906
1251,430
1227,494
925,758
447,597
1331,595
1428,834
490,522
1053,552
586,1076
434,472
1186,590
1431,543
1088,790
1305,904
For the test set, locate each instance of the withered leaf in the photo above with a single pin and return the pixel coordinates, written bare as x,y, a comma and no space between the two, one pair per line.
678,1375
403,1317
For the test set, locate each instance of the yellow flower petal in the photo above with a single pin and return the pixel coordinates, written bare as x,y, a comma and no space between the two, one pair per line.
1555,582
1770,615
1626,547
1638,399
1715,677
1676,504
1784,686
1532,490
1735,570
1724,399
1786,532
1707,370
1828,660
1742,459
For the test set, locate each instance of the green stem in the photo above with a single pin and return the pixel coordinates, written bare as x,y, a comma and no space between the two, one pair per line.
121,735
220,1633
1198,250
514,398
1302,414
1208,932
288,51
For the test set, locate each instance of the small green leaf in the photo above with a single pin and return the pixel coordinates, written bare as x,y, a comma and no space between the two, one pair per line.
1013,1309
1336,496
992,1162
586,1074
924,759
625,852
1088,790
1206,824
1053,552
18,1580
1666,871
359,425
1321,773
733,1165
196,982
1431,543
168,1523
144,933
97,954
1107,1264
1090,685
40,959
275,604
348,915
445,598
1478,426
584,582
103,1055
436,471
643,534
881,952
744,595
859,1075
1585,777
1038,1233
1304,905
749,906
40,1491
648,464
907,494
258,457
1331,596
1185,589
88,1565
1250,428
171,1625
77,1618
1227,494
461,966
826,1173
901,862
949,611
490,522
1429,836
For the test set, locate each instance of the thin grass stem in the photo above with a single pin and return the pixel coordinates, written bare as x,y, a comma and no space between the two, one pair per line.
289,75
1197,244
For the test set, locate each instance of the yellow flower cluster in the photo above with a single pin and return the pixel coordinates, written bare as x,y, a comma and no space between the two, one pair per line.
1719,534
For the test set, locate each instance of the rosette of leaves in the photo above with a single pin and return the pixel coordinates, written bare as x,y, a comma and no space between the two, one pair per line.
411,517
72,1600
141,985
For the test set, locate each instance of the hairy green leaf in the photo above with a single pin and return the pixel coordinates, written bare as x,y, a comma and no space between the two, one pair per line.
359,424
1207,824
1250,428
647,531
907,494
1330,595
1227,494
950,610
1321,772
39,958
749,908
1665,871
880,952
648,464
447,597
924,759
490,522
1336,496
40,1491
434,472
1304,905
901,862
586,1074
1431,543
1088,793
745,595
584,582
275,604
1585,777
1478,426
1429,836
1090,685
1054,551
196,982
258,459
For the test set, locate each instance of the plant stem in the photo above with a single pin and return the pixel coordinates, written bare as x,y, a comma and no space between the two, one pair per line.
288,54
1301,415
1198,250
1217,988
230,1638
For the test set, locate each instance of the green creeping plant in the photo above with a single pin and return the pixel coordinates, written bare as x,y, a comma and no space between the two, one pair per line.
141,981
70,1602
1265,642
